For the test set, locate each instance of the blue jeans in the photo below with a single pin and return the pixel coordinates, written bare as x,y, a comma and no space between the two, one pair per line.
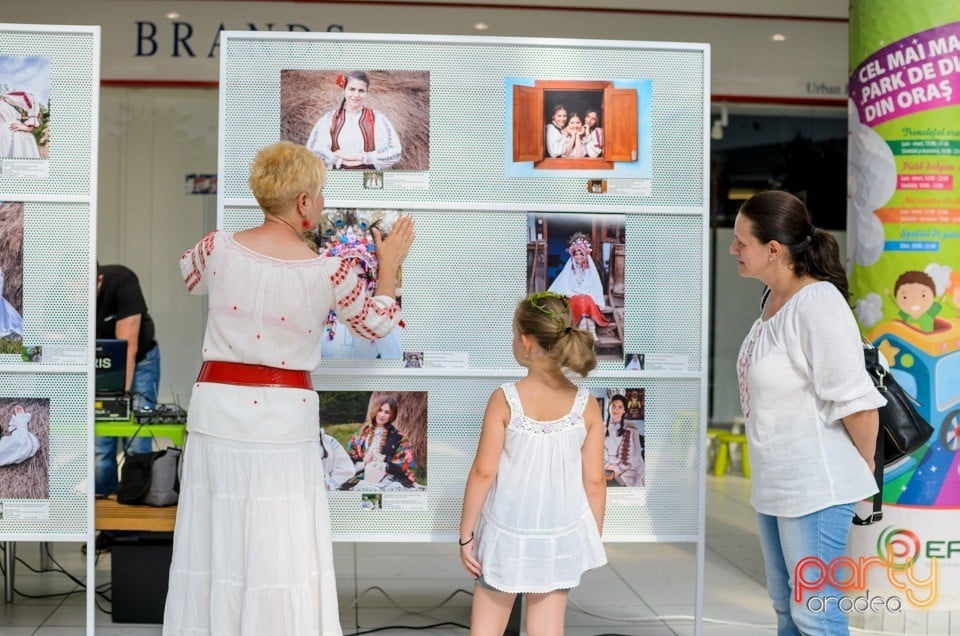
787,540
146,381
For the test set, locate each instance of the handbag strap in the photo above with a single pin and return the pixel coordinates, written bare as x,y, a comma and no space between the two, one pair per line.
126,447
876,514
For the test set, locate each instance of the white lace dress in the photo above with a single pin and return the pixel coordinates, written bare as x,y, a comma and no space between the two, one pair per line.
251,550
536,532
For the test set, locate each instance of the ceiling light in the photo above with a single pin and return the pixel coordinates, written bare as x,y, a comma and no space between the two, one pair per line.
481,26
778,37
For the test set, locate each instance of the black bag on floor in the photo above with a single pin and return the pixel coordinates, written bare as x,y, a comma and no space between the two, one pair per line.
151,479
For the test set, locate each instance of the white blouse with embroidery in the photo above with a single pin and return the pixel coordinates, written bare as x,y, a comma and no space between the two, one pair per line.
536,531
270,311
800,372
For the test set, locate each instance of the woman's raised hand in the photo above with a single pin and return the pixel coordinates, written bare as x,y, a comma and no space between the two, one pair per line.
394,248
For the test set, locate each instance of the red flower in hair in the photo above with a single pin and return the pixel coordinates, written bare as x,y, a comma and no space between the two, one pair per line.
342,80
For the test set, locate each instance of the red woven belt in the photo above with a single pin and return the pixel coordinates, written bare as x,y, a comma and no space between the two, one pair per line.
253,375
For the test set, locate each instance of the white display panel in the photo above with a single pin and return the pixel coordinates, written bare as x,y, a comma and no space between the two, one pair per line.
49,95
467,105
468,266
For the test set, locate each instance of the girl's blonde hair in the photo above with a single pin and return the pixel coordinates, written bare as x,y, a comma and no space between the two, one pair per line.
545,317
281,171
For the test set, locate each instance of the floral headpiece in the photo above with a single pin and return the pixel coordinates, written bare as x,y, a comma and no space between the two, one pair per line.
342,80
579,241
536,301
351,248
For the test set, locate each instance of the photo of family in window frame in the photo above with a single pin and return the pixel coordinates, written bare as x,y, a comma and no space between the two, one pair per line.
584,128
356,119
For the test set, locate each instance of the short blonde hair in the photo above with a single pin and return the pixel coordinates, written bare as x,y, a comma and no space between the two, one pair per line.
281,171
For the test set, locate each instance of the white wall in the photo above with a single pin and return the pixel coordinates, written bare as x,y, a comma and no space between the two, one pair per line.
149,139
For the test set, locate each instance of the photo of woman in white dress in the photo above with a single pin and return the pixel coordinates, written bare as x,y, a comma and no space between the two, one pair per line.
622,447
362,120
354,135
24,107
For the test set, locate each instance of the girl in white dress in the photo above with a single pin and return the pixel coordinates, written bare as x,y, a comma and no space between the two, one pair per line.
251,549
535,497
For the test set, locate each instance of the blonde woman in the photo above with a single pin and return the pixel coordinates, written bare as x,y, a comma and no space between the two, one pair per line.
252,552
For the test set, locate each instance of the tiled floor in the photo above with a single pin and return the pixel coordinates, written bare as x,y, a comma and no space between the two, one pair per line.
647,589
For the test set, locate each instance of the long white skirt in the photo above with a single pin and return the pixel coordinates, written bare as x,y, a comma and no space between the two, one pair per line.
251,549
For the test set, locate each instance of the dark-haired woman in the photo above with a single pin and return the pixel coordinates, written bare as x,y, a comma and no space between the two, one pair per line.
810,408
381,455
622,460
355,136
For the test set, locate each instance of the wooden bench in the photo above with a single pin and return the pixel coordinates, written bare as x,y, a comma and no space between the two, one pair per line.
110,515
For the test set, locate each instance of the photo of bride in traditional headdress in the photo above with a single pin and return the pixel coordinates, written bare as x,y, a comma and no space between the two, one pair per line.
582,256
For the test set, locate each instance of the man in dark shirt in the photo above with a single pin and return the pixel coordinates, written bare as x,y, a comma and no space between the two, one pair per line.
122,314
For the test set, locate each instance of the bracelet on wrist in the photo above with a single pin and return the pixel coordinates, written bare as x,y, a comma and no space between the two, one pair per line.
463,543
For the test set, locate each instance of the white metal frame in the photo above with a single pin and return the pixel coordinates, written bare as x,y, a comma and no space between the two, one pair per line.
88,369
639,207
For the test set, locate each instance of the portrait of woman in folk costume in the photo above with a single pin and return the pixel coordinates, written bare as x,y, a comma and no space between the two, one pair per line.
381,454
580,282
355,135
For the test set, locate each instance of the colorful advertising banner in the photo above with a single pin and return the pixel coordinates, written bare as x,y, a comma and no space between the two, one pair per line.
904,252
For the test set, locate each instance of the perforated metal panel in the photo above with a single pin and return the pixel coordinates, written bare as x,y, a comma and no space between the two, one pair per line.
58,252
67,393
467,140
73,73
455,410
55,274
467,269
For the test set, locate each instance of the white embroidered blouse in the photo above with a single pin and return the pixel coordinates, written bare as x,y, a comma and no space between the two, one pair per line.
800,372
271,312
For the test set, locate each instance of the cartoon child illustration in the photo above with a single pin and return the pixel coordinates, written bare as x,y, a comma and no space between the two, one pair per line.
915,294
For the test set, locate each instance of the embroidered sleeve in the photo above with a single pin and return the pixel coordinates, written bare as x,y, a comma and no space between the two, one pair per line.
194,262
355,447
319,142
402,460
556,142
389,149
368,317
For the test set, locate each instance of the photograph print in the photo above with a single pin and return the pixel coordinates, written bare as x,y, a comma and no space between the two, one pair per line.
359,120
583,257
575,128
24,107
347,234
11,277
374,441
24,448
624,439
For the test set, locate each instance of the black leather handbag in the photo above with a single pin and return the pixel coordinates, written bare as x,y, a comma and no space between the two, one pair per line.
902,429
